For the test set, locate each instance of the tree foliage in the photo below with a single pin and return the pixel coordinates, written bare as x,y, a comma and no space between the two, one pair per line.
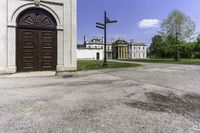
156,44
197,48
178,25
173,41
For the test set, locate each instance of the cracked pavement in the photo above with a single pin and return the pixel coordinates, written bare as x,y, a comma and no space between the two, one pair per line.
154,98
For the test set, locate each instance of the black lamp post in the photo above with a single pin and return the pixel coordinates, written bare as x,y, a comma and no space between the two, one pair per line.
104,27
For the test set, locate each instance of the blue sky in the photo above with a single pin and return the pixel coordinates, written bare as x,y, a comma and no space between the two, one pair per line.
137,19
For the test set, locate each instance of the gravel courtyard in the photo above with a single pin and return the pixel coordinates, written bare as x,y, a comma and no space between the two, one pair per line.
154,98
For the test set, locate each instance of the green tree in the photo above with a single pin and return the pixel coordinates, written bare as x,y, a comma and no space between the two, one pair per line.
178,26
187,50
197,48
156,45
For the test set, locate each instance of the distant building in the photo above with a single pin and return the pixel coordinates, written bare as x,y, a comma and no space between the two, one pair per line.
92,50
119,49
137,50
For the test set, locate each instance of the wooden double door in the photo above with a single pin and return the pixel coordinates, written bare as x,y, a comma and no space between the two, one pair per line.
37,50
36,41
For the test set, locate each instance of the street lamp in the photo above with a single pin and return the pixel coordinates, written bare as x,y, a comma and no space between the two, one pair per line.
104,27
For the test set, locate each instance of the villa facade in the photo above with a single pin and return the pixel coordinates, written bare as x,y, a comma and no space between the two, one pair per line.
118,49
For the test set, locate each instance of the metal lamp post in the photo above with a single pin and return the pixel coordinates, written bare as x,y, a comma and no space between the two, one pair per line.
104,27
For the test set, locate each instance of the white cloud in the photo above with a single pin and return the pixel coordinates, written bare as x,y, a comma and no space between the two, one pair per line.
149,23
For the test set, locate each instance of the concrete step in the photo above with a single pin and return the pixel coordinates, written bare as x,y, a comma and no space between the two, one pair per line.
33,74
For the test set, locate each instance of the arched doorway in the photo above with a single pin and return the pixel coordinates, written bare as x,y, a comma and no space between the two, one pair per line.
98,56
36,41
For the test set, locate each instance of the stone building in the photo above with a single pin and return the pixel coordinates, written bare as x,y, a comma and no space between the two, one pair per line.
119,49
93,50
37,35
137,50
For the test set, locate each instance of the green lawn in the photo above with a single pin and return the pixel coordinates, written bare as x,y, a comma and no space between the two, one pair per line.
94,65
169,61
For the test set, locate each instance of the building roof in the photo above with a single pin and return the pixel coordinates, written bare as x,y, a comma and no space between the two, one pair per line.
120,42
138,44
81,46
94,43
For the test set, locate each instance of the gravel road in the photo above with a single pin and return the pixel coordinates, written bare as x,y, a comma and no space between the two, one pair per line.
154,98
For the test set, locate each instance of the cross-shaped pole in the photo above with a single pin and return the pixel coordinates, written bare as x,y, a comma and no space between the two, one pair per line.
104,27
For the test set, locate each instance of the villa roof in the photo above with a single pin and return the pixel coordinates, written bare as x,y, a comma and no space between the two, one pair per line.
138,44
120,42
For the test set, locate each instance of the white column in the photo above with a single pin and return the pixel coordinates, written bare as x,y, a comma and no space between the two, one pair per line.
70,32
121,52
60,45
74,33
3,36
11,49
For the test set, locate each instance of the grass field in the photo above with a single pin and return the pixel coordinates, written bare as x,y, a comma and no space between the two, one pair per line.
94,65
169,61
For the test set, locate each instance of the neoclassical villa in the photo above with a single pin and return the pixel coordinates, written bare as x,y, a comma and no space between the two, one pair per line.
37,35
117,49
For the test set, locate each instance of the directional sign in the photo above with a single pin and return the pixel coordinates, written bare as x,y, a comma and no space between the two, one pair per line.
103,26
100,24
115,21
100,27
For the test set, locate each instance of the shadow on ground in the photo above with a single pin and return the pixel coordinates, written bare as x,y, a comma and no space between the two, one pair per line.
186,105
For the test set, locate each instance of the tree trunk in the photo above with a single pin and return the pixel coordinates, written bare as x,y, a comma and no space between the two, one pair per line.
177,53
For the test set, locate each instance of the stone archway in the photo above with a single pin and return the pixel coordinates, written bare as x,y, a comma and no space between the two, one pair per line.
36,41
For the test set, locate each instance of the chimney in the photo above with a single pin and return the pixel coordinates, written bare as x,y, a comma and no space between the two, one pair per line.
102,39
85,40
112,40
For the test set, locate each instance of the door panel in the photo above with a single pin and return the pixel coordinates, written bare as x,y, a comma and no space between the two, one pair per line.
36,50
47,49
26,50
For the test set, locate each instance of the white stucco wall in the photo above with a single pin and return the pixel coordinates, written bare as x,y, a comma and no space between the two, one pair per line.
90,54
64,11
138,52
3,34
